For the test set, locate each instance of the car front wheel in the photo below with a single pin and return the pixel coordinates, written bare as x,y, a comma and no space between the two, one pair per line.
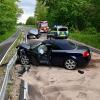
24,60
70,64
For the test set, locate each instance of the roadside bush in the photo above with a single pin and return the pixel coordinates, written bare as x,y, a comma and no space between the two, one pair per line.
72,29
1,33
90,30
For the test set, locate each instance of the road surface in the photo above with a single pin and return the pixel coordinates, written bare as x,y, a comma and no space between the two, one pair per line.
4,46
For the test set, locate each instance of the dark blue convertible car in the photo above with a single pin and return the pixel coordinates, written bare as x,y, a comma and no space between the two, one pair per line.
54,52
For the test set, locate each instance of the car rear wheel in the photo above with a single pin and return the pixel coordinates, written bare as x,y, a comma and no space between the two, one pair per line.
24,60
70,64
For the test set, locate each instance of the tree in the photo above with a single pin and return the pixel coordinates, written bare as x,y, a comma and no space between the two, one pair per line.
8,15
30,21
41,11
79,14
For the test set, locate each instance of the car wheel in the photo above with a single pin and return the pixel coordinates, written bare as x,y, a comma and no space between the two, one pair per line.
24,60
47,37
70,64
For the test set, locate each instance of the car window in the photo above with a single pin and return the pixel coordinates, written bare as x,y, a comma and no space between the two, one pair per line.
66,45
33,31
62,29
34,45
55,47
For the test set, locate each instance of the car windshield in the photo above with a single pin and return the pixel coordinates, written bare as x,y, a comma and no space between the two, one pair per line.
45,24
33,31
62,29
35,44
66,45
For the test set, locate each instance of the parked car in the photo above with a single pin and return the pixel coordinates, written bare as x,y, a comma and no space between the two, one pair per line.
54,52
58,32
33,33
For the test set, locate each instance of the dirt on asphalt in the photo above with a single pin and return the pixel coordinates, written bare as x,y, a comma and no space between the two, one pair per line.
55,83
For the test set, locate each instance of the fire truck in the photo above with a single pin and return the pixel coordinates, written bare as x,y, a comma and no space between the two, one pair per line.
43,26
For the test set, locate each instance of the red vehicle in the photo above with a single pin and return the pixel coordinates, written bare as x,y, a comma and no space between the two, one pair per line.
43,26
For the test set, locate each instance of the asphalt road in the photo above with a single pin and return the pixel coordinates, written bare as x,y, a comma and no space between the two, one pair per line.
4,46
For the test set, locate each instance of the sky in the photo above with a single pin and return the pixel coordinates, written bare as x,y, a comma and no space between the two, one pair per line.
28,7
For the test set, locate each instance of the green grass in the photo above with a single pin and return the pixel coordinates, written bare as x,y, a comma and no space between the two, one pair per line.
6,35
1,70
92,40
1,49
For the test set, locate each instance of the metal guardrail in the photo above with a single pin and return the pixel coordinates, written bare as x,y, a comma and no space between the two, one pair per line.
25,83
5,82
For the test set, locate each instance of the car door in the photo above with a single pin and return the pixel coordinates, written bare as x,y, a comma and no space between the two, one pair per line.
42,53
56,55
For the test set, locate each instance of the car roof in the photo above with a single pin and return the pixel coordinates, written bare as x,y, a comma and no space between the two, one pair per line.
60,26
63,44
56,41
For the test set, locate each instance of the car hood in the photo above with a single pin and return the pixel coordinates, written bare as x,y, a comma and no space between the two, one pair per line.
24,45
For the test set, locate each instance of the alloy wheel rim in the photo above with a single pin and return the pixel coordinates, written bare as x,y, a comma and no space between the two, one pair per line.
70,64
24,60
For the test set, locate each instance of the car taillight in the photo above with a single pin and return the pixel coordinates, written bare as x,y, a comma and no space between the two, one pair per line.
45,28
86,54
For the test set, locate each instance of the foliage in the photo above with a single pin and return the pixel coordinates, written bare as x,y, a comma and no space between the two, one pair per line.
30,21
6,35
90,30
78,14
41,11
8,15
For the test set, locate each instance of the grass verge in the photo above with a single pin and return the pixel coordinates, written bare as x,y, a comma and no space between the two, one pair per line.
13,87
6,35
1,49
1,71
92,40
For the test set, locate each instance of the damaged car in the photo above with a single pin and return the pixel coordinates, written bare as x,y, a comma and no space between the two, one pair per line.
54,52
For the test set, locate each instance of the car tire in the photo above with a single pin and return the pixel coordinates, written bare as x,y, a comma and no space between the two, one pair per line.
24,60
47,37
28,37
70,64
17,61
37,36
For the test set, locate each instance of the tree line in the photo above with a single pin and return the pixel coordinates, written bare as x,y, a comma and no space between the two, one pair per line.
76,14
8,15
